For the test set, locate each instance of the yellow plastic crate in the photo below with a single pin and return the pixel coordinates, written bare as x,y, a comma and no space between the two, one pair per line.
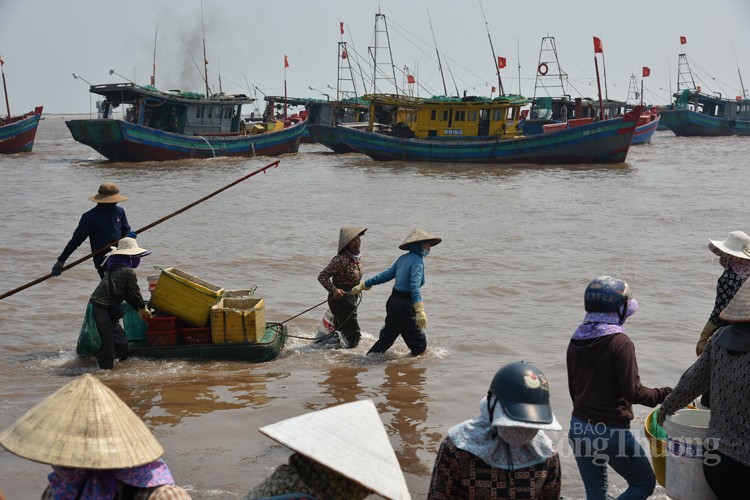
238,319
186,296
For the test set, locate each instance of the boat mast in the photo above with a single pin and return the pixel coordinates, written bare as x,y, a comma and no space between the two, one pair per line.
632,90
205,59
742,85
549,66
684,75
440,66
500,89
518,56
153,65
5,88
344,65
374,53
604,71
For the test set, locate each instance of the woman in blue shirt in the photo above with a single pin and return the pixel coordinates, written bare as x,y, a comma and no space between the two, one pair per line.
405,314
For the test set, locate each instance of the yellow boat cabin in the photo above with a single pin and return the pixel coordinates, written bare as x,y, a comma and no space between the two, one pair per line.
446,117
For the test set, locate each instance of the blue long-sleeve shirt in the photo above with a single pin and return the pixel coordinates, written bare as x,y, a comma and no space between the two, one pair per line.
103,224
408,270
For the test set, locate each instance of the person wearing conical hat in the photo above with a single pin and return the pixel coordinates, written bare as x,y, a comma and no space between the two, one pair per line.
724,368
103,224
340,275
340,453
97,447
734,257
405,314
503,453
118,284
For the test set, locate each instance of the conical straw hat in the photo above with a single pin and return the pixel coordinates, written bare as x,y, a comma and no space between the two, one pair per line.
417,235
738,309
83,425
347,234
349,439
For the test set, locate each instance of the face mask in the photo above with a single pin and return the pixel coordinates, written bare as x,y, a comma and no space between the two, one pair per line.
425,252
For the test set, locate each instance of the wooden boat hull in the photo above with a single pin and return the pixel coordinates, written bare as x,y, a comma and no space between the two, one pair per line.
267,349
601,142
644,133
119,140
328,136
18,135
687,123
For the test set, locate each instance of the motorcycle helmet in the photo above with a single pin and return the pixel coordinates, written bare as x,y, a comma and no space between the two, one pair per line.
607,294
523,392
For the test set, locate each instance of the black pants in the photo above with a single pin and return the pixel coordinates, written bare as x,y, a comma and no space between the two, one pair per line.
400,319
345,316
114,341
728,478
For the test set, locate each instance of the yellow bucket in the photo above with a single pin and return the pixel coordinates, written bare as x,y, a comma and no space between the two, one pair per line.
658,452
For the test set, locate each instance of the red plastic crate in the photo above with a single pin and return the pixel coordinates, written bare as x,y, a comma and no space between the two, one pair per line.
162,338
196,335
162,324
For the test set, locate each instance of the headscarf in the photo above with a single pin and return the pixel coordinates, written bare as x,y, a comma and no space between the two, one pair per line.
739,266
67,483
502,447
123,260
600,324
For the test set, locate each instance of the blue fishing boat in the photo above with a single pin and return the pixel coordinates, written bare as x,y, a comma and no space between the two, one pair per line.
17,133
176,125
696,113
477,130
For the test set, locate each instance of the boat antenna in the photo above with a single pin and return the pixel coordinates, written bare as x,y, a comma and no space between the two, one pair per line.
440,66
742,86
153,65
5,88
205,59
494,56
220,89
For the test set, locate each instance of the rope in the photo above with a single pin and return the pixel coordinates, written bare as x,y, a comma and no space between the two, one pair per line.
325,337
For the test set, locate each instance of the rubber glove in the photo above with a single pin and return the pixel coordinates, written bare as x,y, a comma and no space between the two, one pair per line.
708,330
421,315
359,288
661,416
57,269
132,234
145,314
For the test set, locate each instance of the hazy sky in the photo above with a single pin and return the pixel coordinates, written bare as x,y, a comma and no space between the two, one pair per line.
43,42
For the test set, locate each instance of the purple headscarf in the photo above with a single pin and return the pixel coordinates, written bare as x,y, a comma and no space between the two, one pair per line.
97,484
599,324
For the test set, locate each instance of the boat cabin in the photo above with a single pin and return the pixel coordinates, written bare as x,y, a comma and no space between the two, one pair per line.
716,106
447,117
187,113
565,108
332,112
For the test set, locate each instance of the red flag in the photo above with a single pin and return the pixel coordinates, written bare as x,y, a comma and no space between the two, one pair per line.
598,48
1,61
500,62
493,90
344,54
286,62
646,72
341,27
739,97
410,79
683,40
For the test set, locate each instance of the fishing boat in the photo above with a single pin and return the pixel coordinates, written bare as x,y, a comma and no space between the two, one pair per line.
696,113
345,113
266,349
17,133
561,108
480,130
177,125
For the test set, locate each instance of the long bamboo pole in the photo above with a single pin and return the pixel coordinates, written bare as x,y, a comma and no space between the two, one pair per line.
141,230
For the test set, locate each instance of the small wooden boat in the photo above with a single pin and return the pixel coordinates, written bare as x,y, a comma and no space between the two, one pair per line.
266,349
177,125
648,123
17,133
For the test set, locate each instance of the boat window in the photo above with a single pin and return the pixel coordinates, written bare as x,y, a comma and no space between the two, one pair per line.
433,115
513,113
199,111
472,117
459,116
445,115
411,116
210,112
498,114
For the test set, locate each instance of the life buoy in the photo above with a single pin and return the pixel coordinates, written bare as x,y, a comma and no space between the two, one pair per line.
542,69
